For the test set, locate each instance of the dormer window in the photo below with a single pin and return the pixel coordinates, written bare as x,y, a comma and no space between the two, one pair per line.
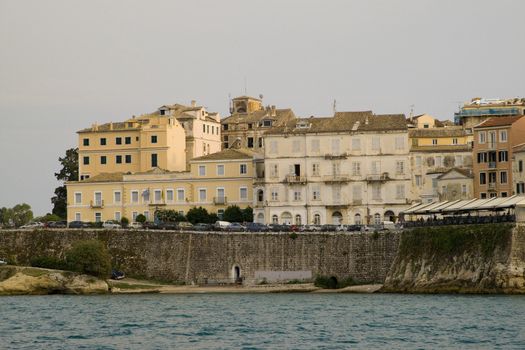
162,112
267,123
302,125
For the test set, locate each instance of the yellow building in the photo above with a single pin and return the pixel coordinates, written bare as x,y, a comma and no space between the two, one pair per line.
166,139
214,182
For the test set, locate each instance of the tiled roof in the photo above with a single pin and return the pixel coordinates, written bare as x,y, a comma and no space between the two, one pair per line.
227,154
441,148
258,116
105,177
463,171
498,121
345,121
108,127
452,131
519,148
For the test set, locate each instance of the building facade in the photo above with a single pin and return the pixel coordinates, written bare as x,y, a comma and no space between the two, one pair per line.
518,169
479,110
494,140
214,182
351,169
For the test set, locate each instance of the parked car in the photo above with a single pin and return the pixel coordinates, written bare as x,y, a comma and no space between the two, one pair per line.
256,227
354,228
328,228
79,224
279,228
184,226
32,225
236,227
221,225
150,225
168,225
111,225
3,262
117,275
57,224
202,227
135,226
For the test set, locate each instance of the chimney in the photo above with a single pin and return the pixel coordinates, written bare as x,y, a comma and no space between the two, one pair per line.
111,126
193,103
94,127
273,111
366,120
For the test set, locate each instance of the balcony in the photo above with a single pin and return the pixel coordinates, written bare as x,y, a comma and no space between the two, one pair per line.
295,180
97,204
258,180
336,178
491,145
220,200
335,156
378,178
492,186
157,204
492,165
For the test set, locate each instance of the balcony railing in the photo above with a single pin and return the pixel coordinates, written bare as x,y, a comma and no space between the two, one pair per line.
335,156
492,186
294,179
97,204
492,165
157,204
336,178
220,200
374,178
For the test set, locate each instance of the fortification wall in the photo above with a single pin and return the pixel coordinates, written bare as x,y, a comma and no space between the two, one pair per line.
197,257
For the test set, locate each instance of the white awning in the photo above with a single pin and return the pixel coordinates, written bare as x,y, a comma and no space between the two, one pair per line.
457,206
430,207
417,207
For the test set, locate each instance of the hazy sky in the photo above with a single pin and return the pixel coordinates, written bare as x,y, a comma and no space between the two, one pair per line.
67,64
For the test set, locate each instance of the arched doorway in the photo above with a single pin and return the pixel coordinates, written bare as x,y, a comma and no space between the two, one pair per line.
260,218
236,274
317,219
260,195
286,218
337,218
357,219
298,220
389,215
275,219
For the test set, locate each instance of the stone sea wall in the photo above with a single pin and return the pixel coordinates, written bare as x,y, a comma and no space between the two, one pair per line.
213,257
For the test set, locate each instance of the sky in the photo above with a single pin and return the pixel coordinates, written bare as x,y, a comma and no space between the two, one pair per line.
65,65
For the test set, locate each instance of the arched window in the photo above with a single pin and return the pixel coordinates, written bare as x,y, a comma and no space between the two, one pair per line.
286,218
260,195
357,219
317,219
377,219
389,215
260,218
298,219
275,219
337,218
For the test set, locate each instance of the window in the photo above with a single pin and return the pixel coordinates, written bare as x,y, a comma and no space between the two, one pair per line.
117,197
127,140
153,138
503,194
315,169
335,146
493,194
483,195
375,167
77,217
98,217
103,160
520,166
250,142
503,136
316,194
356,192
336,168
220,170
503,177
203,128
356,144
154,162
297,195
400,143
377,219
418,180
376,143
117,216
482,178
357,219
261,144
296,146
118,140
243,169
434,142
275,194
180,195
463,190
225,127
273,147
275,219
274,170
439,161
356,168
134,196
250,126
315,145
243,193
134,216
317,219
400,167
128,158
482,157
492,177
103,141
482,137
157,196
503,156
298,219
400,191
86,161
458,160
202,195
86,142
520,188
207,129
454,141
492,138
145,196
146,215
376,191
267,123
418,161
202,170
118,159
78,198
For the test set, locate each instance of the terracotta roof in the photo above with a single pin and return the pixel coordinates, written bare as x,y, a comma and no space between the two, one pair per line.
463,171
105,177
498,121
518,148
441,148
451,131
259,115
227,154
344,122
246,97
107,127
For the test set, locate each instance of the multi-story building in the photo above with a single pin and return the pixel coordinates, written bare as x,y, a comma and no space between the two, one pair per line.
248,122
518,169
433,152
494,140
214,182
480,109
350,168
455,184
166,139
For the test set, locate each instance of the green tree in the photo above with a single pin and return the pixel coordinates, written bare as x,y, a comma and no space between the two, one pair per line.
21,214
124,222
90,257
69,172
140,218
233,214
169,215
48,217
196,215
247,214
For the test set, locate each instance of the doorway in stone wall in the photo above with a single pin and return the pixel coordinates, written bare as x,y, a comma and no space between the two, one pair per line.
236,272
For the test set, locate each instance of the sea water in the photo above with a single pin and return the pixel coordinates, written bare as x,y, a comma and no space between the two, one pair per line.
262,321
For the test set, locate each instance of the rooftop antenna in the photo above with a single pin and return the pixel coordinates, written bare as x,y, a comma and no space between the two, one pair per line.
335,106
230,103
245,86
412,112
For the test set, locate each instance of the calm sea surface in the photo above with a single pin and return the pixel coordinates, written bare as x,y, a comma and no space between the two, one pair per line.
270,321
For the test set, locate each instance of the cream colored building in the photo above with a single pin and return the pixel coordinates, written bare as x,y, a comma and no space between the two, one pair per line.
166,139
518,169
352,168
454,184
214,182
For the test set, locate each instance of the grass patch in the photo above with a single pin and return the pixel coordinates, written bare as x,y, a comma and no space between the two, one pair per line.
128,286
34,272
7,272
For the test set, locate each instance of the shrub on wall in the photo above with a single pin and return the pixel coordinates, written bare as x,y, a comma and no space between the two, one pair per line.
90,257
49,262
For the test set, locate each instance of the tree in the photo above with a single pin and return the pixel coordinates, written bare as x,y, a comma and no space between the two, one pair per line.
247,214
196,215
90,257
69,172
6,215
21,214
124,222
233,214
48,217
140,218
169,215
